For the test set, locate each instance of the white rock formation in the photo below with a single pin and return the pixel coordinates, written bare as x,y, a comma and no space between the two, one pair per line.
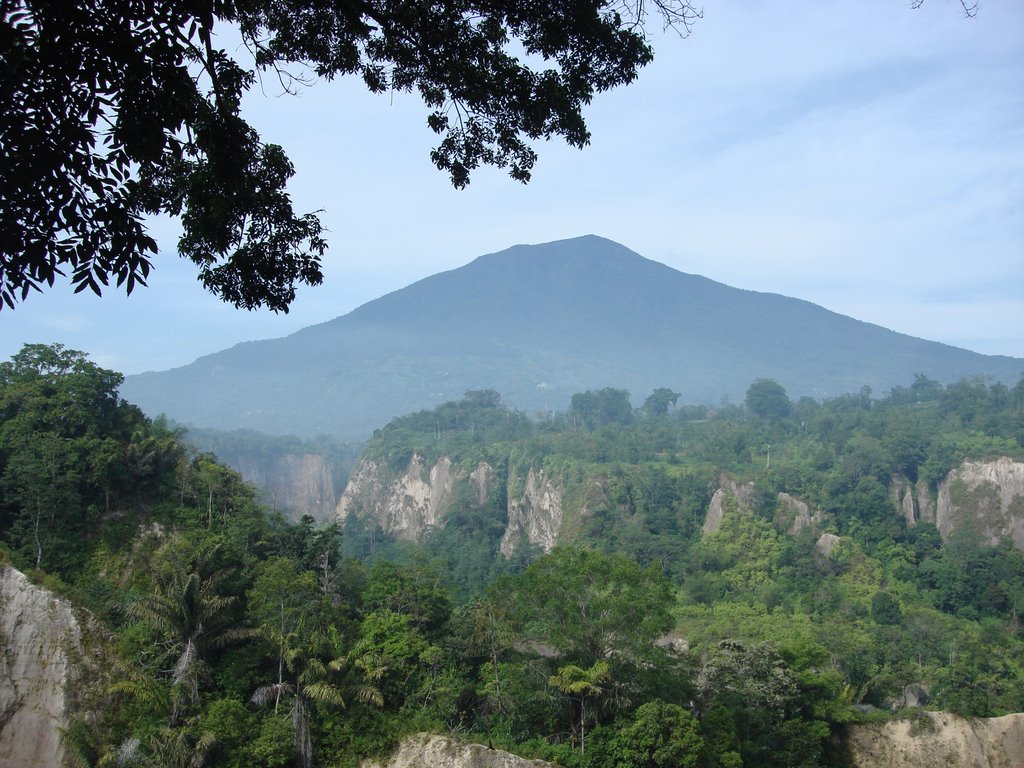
39,638
986,494
902,495
825,544
535,517
426,751
939,739
740,493
409,506
483,478
795,515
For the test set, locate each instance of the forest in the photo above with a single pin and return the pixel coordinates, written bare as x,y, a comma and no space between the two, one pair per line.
235,637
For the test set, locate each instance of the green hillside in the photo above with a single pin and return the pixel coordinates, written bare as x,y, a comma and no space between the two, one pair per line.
234,638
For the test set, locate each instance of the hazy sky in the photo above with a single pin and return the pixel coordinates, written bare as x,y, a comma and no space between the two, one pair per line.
860,155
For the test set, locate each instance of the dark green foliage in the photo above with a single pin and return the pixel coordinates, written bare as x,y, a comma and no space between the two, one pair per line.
243,639
767,398
601,408
141,116
660,736
415,592
589,606
476,422
659,401
71,452
77,186
885,609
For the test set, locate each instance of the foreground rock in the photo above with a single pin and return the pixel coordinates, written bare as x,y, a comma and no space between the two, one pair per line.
939,739
40,641
427,751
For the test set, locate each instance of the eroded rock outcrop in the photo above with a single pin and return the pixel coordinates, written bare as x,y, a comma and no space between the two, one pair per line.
484,479
792,515
824,545
40,640
408,506
939,739
535,515
426,751
729,493
987,495
914,502
412,504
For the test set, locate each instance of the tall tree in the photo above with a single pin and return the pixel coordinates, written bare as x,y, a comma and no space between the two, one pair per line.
768,399
62,463
112,110
582,686
188,608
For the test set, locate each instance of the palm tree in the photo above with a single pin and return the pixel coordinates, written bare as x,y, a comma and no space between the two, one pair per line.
310,683
187,609
582,685
167,748
356,676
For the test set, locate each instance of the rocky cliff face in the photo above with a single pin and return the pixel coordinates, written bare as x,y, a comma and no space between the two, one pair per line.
792,515
40,640
535,516
729,493
988,495
939,739
426,751
297,484
411,504
408,506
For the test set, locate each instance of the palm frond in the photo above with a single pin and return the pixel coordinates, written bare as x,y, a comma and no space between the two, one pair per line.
369,694
234,635
186,663
204,745
268,693
324,692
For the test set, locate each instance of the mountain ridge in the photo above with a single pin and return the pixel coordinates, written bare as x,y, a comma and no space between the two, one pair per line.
538,323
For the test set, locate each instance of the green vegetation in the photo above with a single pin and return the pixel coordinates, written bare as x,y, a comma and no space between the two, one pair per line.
240,639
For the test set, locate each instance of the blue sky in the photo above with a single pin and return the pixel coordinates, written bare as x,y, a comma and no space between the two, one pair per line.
860,155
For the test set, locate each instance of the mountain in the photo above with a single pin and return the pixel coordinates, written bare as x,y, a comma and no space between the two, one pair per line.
539,323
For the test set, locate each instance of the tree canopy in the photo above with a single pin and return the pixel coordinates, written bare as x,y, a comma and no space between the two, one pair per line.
117,110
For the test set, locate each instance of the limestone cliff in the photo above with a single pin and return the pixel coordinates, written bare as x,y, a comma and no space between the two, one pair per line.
939,739
534,516
40,640
411,503
792,515
988,495
914,502
296,484
426,751
408,505
729,493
